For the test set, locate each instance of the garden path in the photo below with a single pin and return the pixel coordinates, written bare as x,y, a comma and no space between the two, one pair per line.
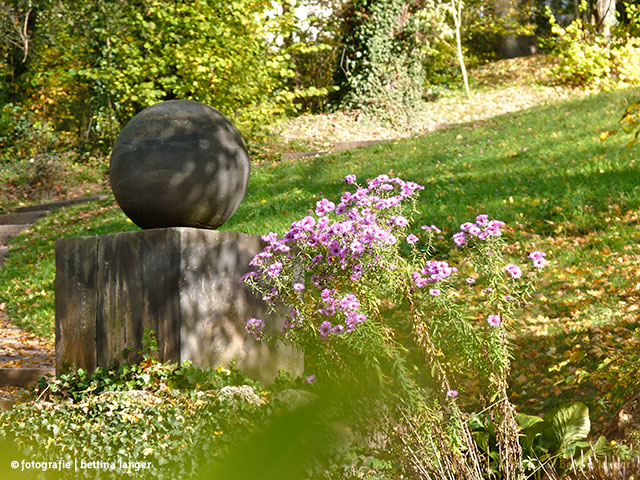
24,357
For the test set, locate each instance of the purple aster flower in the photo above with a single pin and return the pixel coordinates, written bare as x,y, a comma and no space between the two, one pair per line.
513,270
538,259
334,248
537,254
274,269
539,262
394,201
420,281
298,287
494,320
249,275
338,329
434,292
460,239
431,227
466,226
452,393
356,247
324,206
474,230
310,379
382,204
482,220
398,220
255,327
326,294
406,191
470,280
349,302
493,228
349,179
412,239
325,329
270,238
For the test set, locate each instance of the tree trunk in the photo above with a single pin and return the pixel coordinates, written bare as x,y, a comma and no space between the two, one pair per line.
456,9
605,13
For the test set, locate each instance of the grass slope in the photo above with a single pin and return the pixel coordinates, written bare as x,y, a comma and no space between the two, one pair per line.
544,171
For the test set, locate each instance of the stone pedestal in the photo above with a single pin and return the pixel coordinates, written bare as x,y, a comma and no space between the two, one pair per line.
182,283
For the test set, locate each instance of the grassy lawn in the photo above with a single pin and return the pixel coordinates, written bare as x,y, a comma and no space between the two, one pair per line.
544,171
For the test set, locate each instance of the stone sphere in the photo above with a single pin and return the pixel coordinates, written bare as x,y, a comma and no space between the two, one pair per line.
179,163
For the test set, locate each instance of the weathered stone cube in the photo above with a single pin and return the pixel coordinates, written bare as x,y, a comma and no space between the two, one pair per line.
182,283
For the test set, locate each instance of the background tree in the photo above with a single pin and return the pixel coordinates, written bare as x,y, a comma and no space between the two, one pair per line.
380,68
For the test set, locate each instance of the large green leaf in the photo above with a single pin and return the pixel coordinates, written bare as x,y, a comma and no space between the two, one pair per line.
529,431
564,426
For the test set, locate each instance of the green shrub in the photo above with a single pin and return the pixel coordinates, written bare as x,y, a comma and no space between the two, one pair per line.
586,58
176,419
381,70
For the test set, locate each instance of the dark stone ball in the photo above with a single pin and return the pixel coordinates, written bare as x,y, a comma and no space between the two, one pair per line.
179,163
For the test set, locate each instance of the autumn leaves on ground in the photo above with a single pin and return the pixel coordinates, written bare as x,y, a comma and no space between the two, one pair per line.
542,170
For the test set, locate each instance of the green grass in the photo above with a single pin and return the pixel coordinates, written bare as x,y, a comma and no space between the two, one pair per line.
544,171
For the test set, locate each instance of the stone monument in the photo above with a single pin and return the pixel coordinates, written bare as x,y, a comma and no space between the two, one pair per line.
179,164
179,169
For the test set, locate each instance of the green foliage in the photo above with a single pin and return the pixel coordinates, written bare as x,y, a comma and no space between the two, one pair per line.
381,66
207,50
557,442
629,123
587,58
92,65
176,419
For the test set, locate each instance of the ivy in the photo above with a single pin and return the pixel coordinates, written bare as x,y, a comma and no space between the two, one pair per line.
381,65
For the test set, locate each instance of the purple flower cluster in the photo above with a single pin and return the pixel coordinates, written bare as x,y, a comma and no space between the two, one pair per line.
255,327
347,306
538,259
513,270
357,232
433,271
360,229
483,228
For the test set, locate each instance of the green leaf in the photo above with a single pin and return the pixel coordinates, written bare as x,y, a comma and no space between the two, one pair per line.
526,421
564,426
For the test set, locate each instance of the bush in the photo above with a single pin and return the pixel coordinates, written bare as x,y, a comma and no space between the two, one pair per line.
381,69
148,420
364,292
588,59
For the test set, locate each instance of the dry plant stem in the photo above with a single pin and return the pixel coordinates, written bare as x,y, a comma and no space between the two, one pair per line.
417,464
507,435
423,339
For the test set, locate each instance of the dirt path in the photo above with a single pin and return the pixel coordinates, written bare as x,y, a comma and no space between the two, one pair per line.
19,349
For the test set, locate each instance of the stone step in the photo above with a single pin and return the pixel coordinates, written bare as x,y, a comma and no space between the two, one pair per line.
65,203
3,253
22,218
6,404
13,229
4,239
23,377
